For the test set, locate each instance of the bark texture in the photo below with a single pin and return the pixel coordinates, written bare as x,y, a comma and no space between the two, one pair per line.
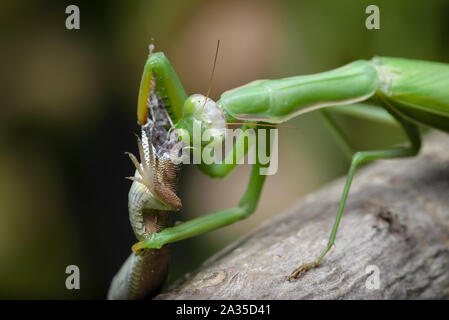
396,221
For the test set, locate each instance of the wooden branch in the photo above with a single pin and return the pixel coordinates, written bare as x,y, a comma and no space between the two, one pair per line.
396,219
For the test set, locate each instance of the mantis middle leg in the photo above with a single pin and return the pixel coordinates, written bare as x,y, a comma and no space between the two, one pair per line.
361,111
335,130
211,221
414,137
217,219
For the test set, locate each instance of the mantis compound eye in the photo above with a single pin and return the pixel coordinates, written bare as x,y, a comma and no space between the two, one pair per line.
203,113
198,107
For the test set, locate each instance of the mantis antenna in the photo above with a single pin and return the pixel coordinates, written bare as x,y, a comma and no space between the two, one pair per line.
210,86
212,74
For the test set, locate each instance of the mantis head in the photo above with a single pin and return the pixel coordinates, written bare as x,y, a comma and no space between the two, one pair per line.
205,114
201,110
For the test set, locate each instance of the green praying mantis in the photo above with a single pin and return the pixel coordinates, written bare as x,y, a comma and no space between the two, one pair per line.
407,93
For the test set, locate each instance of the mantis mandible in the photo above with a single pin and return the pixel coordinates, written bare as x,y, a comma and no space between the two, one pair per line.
407,93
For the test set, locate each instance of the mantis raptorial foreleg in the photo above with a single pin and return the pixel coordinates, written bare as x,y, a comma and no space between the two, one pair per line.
339,136
211,221
365,111
229,163
217,219
414,137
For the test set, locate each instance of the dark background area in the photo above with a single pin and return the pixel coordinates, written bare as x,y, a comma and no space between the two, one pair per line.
68,114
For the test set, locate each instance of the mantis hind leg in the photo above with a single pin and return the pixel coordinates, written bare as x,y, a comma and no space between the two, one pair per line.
413,134
375,113
339,136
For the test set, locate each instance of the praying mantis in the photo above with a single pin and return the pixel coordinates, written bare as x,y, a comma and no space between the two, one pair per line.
403,92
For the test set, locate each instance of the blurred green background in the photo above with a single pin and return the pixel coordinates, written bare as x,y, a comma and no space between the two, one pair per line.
68,114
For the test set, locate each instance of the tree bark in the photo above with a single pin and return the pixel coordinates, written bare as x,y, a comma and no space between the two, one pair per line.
395,229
